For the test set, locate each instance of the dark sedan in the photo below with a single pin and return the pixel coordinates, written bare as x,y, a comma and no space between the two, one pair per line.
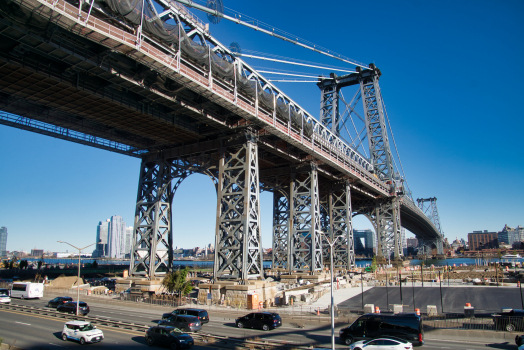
58,301
262,320
70,308
168,336
509,320
184,322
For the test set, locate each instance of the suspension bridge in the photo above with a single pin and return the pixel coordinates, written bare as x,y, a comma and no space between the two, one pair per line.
146,79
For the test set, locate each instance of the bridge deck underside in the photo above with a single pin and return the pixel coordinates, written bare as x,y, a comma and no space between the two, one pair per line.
54,76
421,227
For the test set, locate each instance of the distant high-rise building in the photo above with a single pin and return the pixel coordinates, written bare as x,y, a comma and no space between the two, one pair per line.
128,244
116,237
411,242
364,242
101,239
3,241
37,252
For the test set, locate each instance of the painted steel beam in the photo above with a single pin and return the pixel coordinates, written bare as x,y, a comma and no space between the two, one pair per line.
307,233
238,248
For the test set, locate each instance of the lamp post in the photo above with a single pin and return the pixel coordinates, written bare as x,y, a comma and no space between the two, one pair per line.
331,244
78,278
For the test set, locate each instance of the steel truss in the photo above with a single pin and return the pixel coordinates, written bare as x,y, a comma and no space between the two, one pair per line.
238,252
329,114
430,210
376,127
388,227
341,227
152,251
281,228
306,246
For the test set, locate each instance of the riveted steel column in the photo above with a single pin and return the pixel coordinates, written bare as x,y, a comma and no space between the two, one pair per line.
329,102
388,228
238,251
281,228
150,255
376,126
342,227
307,240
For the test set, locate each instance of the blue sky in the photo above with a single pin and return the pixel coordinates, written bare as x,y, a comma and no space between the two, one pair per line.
452,74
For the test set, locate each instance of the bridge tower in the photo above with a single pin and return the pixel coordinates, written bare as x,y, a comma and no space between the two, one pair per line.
238,249
429,208
386,214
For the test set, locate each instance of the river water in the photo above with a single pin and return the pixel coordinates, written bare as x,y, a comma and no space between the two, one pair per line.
267,264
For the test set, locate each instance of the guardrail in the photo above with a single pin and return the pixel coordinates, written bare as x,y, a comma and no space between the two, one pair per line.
57,314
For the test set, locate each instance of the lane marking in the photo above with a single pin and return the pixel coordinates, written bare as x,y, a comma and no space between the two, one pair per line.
60,346
27,324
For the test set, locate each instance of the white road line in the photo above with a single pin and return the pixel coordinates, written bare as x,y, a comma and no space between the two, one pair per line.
102,316
60,346
27,324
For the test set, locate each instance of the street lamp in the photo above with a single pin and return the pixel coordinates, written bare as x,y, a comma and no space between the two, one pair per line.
331,244
78,278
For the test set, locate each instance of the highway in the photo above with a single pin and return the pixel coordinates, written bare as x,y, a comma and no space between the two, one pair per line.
41,332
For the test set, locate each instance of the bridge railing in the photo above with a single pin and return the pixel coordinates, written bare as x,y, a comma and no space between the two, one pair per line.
166,60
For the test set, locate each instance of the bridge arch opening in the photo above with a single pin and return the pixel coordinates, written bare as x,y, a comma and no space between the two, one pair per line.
194,213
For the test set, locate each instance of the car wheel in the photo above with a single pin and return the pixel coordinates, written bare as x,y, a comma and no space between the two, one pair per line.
150,341
510,327
174,346
265,327
348,341
64,337
240,325
82,341
357,349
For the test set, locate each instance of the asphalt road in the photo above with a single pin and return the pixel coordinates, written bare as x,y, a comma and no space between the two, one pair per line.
483,299
39,332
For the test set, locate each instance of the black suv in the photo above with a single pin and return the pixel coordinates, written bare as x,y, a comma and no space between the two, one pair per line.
202,314
509,320
263,320
70,307
406,325
170,336
58,301
184,322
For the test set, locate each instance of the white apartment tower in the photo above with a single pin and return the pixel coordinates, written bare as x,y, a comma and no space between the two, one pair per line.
116,237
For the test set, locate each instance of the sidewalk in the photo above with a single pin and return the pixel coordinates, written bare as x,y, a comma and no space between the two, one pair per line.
339,296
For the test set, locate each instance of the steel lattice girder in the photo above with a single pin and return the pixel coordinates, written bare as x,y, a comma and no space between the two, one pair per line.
376,127
238,252
388,227
329,114
305,211
152,252
281,229
342,227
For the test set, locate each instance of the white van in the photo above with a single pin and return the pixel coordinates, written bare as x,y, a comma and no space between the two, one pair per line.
27,290
82,331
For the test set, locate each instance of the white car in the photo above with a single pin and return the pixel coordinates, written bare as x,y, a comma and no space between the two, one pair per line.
5,299
82,331
381,344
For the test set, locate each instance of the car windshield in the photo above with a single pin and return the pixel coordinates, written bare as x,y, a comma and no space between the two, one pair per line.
87,327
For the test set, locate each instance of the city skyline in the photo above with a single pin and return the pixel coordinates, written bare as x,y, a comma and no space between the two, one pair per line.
441,109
